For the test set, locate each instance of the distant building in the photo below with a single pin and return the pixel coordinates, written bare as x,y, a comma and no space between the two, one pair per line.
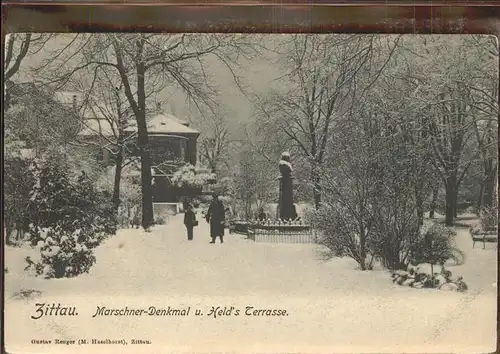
172,143
171,139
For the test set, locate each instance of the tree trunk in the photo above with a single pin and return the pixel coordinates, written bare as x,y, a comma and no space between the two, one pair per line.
139,108
248,207
451,198
480,198
212,165
489,188
119,156
8,231
419,201
143,140
455,209
118,176
316,188
233,206
317,196
147,190
362,247
435,193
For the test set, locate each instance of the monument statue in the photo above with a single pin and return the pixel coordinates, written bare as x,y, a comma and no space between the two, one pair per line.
286,205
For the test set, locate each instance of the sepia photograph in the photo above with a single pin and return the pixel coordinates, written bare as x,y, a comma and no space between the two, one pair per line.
250,193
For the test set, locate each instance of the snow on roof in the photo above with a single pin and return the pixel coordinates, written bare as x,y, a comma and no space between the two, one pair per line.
168,124
158,124
96,122
174,118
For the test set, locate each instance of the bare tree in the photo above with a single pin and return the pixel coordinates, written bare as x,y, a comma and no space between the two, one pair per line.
320,88
146,62
391,100
108,103
253,185
456,117
349,186
17,48
214,143
447,92
484,94
486,141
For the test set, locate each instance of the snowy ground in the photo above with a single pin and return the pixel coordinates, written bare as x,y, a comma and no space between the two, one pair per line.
331,306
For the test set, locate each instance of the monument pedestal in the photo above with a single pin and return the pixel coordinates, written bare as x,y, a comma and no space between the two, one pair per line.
286,210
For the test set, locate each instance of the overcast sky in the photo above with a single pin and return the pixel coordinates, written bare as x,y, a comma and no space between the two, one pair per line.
259,75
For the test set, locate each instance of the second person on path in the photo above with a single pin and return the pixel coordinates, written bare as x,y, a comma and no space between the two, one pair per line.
216,217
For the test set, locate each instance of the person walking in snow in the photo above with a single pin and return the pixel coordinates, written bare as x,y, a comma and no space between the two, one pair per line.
216,217
190,221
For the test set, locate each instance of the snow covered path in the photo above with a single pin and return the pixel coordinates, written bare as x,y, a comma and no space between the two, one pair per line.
331,306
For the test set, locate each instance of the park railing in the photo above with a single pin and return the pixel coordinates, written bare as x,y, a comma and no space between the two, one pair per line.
275,231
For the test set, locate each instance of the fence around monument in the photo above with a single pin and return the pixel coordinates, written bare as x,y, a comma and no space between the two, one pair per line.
276,232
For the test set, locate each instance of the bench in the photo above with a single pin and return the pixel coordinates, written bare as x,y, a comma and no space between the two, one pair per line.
488,236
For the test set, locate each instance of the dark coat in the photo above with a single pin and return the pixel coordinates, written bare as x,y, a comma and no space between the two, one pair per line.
189,218
216,216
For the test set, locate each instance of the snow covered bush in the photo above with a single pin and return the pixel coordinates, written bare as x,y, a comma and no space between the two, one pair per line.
69,218
416,279
160,218
395,227
130,192
435,245
432,245
188,176
252,183
226,186
65,254
341,233
397,202
18,181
